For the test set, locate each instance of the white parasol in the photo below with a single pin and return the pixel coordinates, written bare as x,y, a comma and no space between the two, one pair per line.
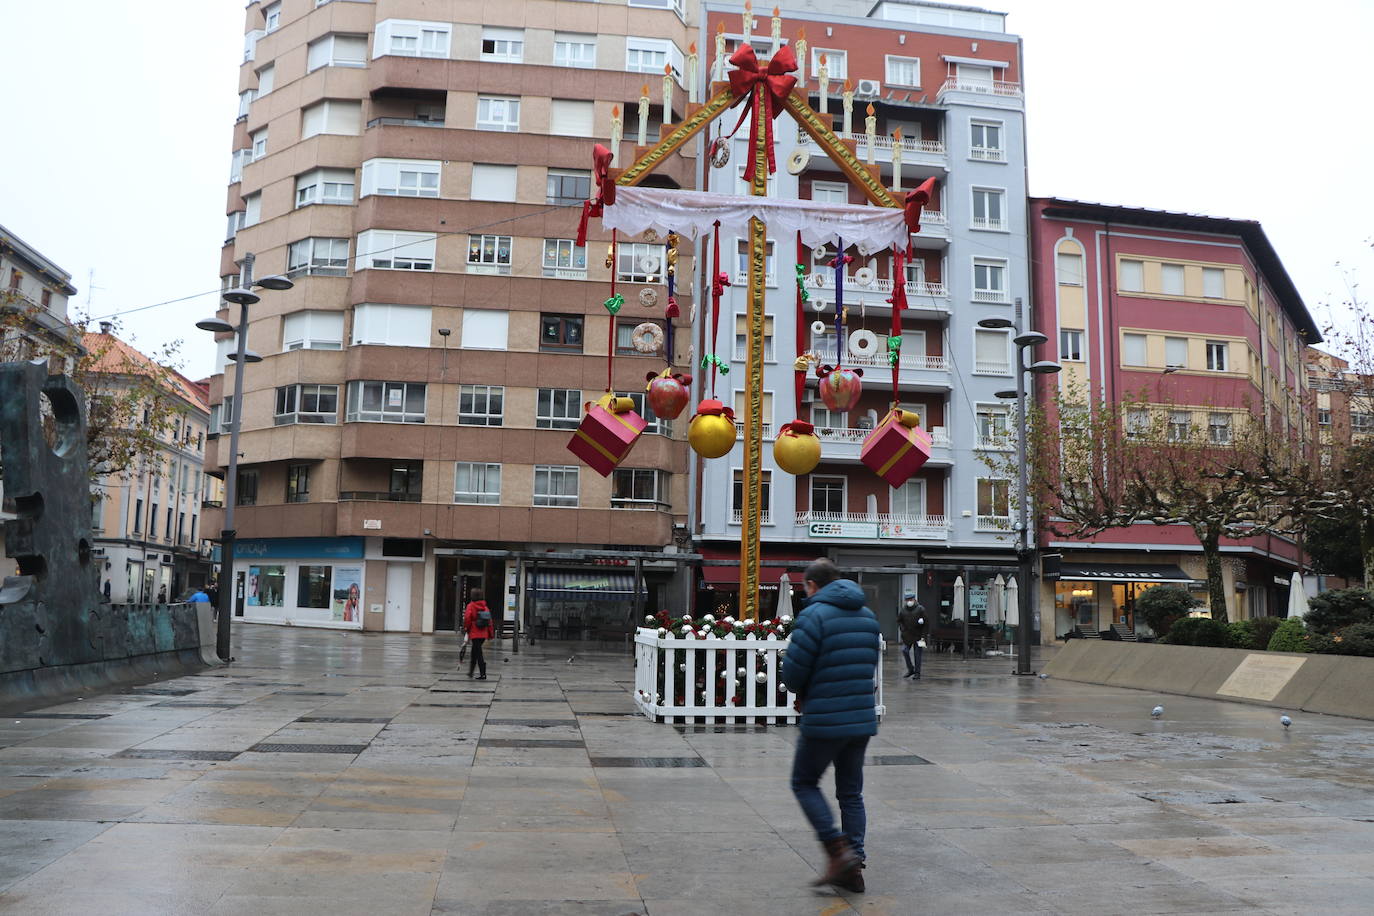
1297,597
957,612
784,595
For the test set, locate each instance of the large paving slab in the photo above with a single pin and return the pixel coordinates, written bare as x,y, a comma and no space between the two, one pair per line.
341,773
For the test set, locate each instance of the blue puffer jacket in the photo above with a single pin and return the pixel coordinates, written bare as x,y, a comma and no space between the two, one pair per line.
831,662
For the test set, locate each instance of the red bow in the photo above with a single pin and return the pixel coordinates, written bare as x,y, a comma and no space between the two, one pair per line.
713,408
718,286
915,200
605,196
798,428
773,84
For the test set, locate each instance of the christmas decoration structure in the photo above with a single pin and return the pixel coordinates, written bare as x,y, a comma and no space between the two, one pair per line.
711,434
840,388
897,448
669,393
608,431
797,450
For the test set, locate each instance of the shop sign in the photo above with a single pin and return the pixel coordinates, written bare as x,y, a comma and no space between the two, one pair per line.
843,529
299,548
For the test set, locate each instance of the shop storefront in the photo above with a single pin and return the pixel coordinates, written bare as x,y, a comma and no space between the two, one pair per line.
580,603
300,581
1094,597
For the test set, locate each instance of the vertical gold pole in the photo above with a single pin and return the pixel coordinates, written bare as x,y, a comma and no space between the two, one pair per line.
752,484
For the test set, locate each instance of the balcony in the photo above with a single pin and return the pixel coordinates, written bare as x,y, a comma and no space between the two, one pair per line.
986,154
767,430
373,496
737,517
988,225
1002,443
992,93
879,526
918,371
982,367
405,122
914,152
991,296
993,523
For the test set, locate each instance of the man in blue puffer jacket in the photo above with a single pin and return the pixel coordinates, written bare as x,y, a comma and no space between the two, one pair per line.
830,664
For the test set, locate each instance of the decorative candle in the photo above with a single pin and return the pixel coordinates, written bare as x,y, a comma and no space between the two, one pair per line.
897,159
800,45
692,73
644,115
847,99
617,134
748,20
871,130
667,94
823,76
720,53
777,30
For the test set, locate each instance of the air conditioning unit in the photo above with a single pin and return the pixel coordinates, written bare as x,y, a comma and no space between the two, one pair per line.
868,89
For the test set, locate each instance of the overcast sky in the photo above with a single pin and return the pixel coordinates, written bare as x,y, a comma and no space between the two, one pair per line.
116,155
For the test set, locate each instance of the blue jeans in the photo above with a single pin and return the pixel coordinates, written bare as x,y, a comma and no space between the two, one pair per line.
912,656
814,755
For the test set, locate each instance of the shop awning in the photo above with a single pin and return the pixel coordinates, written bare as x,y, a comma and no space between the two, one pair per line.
1123,572
585,585
727,577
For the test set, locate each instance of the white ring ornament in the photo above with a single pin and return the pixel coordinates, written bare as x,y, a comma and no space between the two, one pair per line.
648,263
863,343
865,276
647,337
798,161
818,328
818,280
648,297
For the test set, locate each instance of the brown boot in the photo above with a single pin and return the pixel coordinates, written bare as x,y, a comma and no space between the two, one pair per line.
840,863
852,880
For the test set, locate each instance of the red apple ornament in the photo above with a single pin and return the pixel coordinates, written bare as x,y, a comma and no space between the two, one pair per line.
840,388
669,393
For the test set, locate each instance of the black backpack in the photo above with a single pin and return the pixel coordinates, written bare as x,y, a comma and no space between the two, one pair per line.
483,618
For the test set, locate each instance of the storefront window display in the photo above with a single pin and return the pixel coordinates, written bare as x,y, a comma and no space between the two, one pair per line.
312,590
266,586
303,581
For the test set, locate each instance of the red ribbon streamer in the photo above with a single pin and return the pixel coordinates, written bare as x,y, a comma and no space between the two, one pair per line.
773,85
717,290
610,345
898,301
915,200
799,376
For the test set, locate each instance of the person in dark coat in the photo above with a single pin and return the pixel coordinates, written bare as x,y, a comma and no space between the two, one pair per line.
831,664
478,623
912,628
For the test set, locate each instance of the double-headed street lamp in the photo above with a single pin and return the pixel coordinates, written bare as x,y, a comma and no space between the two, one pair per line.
243,296
1025,552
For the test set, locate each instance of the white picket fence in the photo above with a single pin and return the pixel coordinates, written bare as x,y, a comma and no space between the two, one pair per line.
667,689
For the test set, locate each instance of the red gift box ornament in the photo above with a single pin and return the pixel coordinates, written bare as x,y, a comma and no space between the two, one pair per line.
898,448
840,388
608,431
669,393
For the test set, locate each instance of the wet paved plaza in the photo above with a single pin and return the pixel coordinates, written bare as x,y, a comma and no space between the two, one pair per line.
340,773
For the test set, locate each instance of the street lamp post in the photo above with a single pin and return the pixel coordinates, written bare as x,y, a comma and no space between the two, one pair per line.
243,296
1025,549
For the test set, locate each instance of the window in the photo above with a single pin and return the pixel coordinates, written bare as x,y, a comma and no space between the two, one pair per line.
654,424
391,325
638,488
836,63
167,531
246,98
1133,350
401,177
252,209
138,516
503,44
493,182
823,417
989,280
267,79
742,411
1070,344
324,186
226,414
1219,428
990,352
333,116
235,224
1171,279
395,250
742,337
769,266
569,186
297,482
496,112
237,161
1180,425
312,587
827,495
247,493
386,402
994,502
558,408
909,500
831,192
571,118
476,484
985,140
555,485
271,13
318,257
258,139
1176,352
489,254
307,404
312,330
560,332
407,480
1070,268
574,50
484,329
1213,283
994,426
411,38
674,5
639,262
1137,423
1361,422
1217,355
904,71
564,258
988,209
765,497
624,336
481,405
1323,418
1131,276
651,55
336,51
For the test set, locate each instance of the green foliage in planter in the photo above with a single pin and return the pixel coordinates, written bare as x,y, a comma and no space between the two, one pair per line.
1356,639
1161,605
1255,633
1338,608
1291,636
1242,633
1199,631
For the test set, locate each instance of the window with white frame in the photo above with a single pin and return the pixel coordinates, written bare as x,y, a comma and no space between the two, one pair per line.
830,192
1213,283
1131,276
568,186
994,426
481,405
908,500
994,502
271,14
985,141
476,483
258,140
651,55
387,250
1219,428
564,258
823,417
638,488
267,79
765,497
555,485
741,403
386,402
1218,355
485,329
1133,350
252,209
506,45
246,98
742,338
1069,268
412,38
332,116
493,182
904,71
573,49
391,325
1071,344
1180,425
558,408
990,352
334,50
318,257
1176,352
742,263
240,158
1137,423
836,63
1171,279
571,118
989,208
401,177
989,280
625,334
489,254
1361,422
307,404
1323,418
498,112
674,5
324,186
639,262
827,495
312,330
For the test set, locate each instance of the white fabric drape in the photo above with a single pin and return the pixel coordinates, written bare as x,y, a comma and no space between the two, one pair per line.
694,213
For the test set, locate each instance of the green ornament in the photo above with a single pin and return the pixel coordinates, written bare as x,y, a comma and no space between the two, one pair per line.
894,350
614,303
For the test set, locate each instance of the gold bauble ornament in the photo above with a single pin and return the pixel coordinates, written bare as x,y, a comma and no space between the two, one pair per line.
797,450
711,434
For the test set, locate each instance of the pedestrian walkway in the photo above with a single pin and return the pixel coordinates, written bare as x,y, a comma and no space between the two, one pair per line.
342,773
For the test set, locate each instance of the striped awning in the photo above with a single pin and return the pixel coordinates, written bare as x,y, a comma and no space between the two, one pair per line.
585,585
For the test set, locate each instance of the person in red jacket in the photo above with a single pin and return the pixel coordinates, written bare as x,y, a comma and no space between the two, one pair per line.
478,624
